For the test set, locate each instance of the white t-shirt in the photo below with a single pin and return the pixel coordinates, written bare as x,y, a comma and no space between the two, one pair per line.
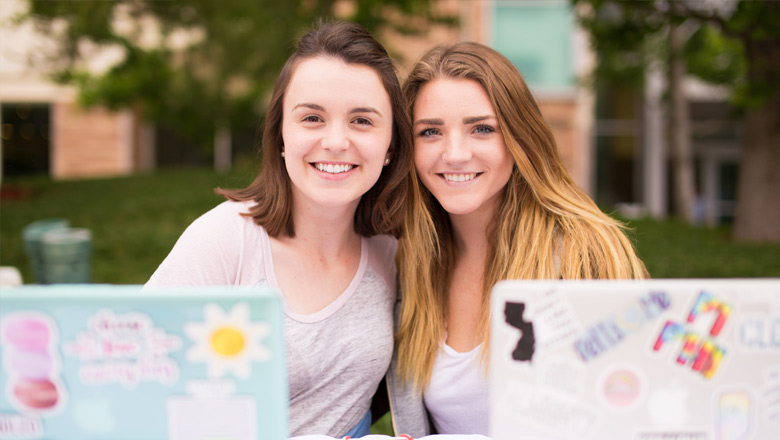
337,356
457,395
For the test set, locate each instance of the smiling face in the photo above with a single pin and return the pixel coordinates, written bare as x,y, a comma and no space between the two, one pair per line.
337,127
459,151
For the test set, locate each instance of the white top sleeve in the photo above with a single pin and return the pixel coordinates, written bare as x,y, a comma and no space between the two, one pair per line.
213,251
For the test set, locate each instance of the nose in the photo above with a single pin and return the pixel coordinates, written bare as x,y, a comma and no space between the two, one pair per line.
335,138
456,150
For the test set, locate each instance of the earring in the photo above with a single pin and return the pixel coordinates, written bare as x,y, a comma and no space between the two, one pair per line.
387,161
282,153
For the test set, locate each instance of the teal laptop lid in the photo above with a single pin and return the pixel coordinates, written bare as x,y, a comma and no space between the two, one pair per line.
118,362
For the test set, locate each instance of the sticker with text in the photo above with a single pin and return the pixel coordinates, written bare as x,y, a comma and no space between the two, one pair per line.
600,338
124,348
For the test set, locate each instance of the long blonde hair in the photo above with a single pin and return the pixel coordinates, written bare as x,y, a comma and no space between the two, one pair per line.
545,228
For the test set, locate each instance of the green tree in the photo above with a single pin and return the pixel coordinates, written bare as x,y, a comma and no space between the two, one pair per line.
737,45
198,67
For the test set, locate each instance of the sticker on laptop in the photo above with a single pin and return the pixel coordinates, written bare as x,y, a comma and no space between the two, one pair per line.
32,363
607,334
700,350
543,322
227,342
621,386
124,348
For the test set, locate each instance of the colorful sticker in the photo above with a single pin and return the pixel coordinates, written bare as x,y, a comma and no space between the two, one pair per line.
32,363
703,353
124,348
621,387
600,338
227,342
734,415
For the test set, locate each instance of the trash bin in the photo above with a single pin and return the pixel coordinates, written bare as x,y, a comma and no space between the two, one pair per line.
33,236
67,256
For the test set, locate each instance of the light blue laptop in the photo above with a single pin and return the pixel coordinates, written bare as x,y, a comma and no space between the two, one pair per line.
635,360
115,362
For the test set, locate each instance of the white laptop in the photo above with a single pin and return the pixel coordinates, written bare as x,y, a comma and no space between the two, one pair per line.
117,363
635,360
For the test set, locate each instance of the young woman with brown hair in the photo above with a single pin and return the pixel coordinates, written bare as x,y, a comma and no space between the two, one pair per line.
317,224
490,200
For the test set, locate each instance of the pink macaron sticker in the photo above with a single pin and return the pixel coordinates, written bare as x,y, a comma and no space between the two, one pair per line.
32,363
27,333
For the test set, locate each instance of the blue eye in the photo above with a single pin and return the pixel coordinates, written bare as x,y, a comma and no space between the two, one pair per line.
428,132
484,129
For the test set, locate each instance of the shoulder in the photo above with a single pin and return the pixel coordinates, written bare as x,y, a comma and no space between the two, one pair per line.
381,251
230,210
225,218
381,257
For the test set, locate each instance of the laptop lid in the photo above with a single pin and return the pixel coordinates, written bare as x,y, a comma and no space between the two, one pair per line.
118,362
644,360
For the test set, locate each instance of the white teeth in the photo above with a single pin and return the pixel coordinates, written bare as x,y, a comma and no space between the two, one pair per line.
333,169
462,177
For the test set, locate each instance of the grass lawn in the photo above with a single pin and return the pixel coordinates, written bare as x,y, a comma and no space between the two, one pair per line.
136,220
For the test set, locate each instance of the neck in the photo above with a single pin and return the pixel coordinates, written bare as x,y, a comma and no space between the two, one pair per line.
471,232
325,231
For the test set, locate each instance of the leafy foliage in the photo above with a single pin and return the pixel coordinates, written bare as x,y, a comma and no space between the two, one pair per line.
191,64
724,47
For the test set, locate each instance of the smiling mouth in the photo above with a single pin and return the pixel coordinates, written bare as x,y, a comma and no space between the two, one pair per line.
459,177
333,168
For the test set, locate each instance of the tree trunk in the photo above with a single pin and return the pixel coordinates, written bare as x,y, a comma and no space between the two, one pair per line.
222,148
680,130
758,187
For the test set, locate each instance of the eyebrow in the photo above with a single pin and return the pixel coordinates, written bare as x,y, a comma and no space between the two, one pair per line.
466,120
473,119
429,122
354,110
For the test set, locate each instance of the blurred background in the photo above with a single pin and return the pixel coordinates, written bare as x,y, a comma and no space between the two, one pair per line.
121,117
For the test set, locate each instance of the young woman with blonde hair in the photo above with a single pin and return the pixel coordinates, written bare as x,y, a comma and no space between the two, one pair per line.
490,200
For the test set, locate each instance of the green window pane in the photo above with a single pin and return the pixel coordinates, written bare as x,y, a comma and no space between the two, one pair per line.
536,37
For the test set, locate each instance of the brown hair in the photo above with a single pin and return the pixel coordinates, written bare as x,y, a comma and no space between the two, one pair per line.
545,226
381,209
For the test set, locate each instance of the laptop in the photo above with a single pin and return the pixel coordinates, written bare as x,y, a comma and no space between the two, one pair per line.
117,362
641,360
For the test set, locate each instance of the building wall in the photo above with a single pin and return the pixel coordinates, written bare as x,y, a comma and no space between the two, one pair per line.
83,143
90,143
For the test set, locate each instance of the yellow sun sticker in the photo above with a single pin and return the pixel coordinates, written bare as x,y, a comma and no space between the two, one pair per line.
227,342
